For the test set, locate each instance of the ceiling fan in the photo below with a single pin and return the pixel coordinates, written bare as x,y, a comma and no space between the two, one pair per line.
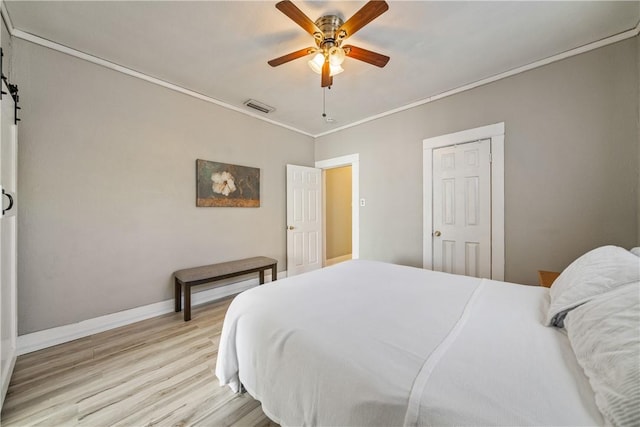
329,32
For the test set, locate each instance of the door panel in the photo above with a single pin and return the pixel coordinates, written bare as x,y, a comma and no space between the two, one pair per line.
314,240
448,201
448,256
462,209
472,259
472,204
304,219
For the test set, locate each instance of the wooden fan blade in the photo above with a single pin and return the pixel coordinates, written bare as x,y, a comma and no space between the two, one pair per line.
291,56
297,16
327,80
368,13
365,55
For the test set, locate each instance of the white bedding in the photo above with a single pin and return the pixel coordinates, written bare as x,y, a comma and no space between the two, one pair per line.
605,336
369,343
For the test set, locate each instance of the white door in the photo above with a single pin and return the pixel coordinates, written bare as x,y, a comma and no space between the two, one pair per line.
304,219
8,292
462,209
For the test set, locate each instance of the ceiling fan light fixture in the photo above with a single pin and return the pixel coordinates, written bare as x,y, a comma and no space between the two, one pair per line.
335,69
316,62
336,56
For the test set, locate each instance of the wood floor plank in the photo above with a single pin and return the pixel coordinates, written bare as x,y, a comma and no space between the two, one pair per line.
152,353
156,372
172,409
254,418
109,370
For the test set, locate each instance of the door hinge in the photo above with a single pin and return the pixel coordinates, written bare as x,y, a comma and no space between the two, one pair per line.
490,158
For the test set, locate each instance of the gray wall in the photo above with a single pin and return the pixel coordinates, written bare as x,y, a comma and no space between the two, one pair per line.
106,176
107,188
571,161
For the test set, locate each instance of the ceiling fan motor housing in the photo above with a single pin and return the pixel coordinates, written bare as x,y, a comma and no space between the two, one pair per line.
329,25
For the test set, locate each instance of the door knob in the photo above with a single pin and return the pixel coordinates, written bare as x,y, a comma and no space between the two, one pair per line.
437,233
291,227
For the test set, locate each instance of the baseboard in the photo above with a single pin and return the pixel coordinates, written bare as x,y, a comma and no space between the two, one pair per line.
338,259
61,334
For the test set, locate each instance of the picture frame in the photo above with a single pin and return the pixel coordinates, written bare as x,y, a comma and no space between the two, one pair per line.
226,185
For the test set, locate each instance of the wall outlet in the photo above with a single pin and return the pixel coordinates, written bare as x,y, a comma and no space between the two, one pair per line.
363,202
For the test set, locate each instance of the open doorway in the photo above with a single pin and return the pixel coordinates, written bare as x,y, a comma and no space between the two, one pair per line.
337,214
349,164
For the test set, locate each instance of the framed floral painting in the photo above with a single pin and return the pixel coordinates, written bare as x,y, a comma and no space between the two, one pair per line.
222,184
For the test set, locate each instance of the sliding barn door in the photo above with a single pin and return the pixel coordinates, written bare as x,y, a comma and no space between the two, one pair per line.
304,219
8,292
462,209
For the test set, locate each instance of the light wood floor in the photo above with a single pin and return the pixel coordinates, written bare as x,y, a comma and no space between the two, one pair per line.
155,372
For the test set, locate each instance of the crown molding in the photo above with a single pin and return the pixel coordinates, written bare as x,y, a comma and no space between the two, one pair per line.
564,55
137,74
5,17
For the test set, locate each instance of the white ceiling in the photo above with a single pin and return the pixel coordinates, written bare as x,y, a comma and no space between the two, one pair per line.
221,48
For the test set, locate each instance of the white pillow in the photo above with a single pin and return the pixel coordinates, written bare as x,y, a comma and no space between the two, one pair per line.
592,274
605,338
635,251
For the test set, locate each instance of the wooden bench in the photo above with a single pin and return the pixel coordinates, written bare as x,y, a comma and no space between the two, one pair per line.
210,273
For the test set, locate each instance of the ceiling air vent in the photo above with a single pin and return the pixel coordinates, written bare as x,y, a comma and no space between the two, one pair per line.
257,105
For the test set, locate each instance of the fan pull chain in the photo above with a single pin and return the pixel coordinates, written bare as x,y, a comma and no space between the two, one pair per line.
324,105
324,102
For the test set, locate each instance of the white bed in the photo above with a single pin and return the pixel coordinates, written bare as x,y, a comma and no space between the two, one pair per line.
370,343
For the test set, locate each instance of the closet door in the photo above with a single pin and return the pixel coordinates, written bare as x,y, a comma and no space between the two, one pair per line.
8,265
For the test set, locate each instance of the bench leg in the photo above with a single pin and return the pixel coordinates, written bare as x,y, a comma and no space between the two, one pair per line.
187,303
274,272
178,296
261,272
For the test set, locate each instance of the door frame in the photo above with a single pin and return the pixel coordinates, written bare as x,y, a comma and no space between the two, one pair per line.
495,133
352,160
